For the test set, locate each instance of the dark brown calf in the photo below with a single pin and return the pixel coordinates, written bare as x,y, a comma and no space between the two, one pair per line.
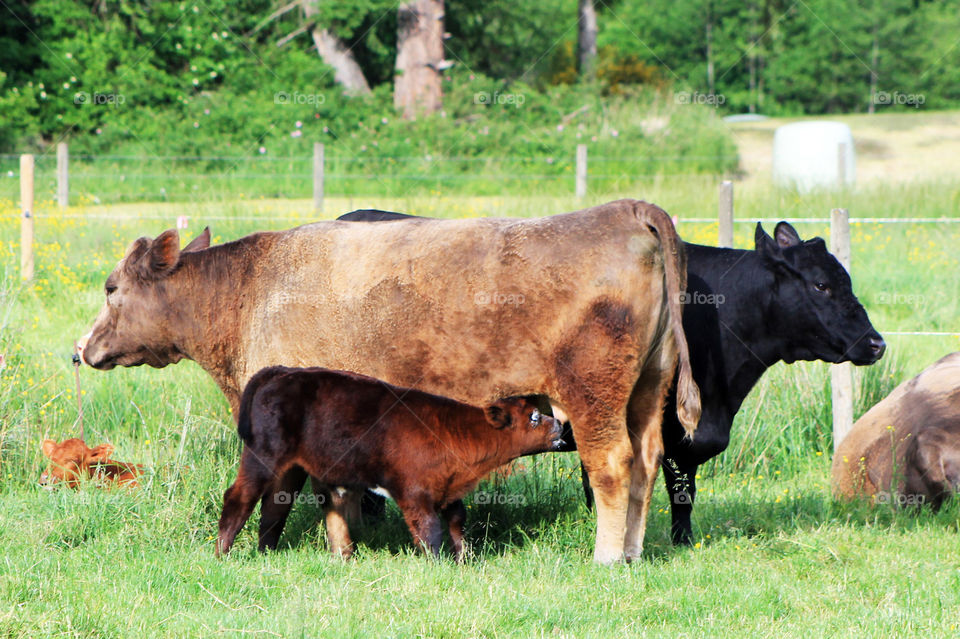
71,460
354,432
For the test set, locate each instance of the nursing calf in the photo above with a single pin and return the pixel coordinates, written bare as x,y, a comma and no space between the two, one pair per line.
355,432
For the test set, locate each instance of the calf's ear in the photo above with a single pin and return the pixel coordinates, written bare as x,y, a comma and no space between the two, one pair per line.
786,236
101,452
198,243
48,447
498,414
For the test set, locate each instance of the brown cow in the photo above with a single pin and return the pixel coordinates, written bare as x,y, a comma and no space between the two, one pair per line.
354,431
581,308
72,460
906,449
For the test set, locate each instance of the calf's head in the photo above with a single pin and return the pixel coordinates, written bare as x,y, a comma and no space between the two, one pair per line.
70,460
136,324
813,305
524,429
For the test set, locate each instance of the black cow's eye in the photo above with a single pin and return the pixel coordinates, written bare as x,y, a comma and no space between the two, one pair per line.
823,288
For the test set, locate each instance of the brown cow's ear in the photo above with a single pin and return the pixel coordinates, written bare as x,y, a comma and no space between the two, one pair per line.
498,414
101,452
48,446
137,250
160,258
198,243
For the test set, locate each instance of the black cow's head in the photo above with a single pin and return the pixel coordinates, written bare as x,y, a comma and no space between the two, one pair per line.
813,302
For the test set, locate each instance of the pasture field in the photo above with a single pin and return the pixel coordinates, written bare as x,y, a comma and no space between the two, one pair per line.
775,555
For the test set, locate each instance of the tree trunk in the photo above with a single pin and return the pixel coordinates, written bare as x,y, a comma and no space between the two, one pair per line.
587,39
711,84
334,52
874,62
420,60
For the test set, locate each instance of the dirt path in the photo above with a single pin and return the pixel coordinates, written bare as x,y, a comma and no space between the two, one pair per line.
895,147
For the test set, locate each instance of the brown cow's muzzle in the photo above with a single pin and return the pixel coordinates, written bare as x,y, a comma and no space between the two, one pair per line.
82,344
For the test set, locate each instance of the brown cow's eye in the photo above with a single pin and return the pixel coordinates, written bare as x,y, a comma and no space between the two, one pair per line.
110,288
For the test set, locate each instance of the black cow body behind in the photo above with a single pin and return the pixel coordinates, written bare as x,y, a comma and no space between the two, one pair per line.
786,300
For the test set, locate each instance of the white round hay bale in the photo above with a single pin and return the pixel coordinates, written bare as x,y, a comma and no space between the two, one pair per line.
806,156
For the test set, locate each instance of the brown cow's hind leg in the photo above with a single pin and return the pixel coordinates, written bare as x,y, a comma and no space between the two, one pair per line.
644,421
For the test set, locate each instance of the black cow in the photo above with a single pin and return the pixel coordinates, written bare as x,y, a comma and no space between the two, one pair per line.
786,300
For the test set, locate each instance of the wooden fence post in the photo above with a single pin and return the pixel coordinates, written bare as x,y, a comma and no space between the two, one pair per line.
841,374
26,220
63,176
581,185
318,176
725,214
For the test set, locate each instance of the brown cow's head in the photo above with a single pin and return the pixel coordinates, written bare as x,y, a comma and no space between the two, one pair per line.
133,327
527,429
70,460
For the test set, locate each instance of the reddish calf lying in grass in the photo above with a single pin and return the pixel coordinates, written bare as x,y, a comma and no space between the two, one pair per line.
355,432
72,460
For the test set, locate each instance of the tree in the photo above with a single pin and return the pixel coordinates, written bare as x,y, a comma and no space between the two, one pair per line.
587,39
420,60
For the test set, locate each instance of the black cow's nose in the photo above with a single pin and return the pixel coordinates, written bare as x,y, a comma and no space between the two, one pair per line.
877,345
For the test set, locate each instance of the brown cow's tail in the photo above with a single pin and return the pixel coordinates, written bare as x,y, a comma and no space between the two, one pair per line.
675,276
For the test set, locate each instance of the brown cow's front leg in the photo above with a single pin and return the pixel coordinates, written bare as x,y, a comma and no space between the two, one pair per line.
335,507
252,482
276,505
456,515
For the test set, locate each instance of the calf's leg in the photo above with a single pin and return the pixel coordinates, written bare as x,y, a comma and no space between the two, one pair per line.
276,505
456,515
423,522
253,479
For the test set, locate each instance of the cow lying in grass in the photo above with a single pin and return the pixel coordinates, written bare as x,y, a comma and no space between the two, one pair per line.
72,460
356,432
906,449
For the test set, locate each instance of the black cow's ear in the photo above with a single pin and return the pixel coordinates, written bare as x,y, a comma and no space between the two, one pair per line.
498,414
764,243
198,243
786,235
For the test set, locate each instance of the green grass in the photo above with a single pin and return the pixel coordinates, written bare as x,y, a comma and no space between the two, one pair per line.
776,555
